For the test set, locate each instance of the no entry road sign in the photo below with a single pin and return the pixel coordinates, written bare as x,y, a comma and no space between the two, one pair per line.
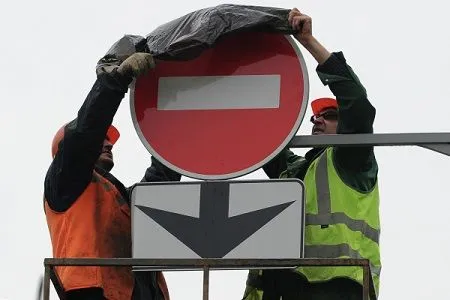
227,112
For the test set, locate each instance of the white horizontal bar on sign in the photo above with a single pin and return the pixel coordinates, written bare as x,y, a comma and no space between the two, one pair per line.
218,92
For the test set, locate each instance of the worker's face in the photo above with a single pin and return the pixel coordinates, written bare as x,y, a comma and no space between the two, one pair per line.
105,161
325,122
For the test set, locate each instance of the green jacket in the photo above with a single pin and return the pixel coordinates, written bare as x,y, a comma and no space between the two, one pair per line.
357,166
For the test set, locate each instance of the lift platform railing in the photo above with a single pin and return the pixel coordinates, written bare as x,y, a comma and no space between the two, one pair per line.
206,265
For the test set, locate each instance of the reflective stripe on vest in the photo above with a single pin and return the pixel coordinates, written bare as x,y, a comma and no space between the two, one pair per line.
327,251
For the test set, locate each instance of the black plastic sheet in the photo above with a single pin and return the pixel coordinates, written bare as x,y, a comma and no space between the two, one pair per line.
186,37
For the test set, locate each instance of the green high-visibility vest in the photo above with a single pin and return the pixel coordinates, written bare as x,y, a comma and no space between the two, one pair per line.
340,222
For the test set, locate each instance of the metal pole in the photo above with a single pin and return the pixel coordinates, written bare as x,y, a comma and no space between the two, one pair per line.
205,282
366,275
435,141
47,282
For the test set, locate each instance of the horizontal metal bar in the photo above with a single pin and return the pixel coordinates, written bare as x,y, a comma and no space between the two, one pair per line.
201,263
367,139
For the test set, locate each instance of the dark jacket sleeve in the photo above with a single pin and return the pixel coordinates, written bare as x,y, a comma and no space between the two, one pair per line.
356,113
276,166
158,172
71,169
285,162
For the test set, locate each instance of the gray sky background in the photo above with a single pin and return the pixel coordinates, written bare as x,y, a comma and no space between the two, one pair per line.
399,49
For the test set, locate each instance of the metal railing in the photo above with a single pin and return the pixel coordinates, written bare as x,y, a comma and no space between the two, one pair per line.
205,265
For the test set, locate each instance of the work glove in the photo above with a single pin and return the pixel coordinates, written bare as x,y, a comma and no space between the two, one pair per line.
136,64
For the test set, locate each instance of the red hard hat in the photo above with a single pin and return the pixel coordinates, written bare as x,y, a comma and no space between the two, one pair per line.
112,135
320,104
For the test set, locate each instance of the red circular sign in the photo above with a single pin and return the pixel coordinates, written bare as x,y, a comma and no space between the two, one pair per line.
227,112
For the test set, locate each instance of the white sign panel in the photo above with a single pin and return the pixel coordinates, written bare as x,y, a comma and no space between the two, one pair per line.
260,219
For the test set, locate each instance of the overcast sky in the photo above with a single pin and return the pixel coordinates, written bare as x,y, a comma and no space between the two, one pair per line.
399,49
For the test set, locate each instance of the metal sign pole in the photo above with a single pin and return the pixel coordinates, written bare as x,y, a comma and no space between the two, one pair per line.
206,282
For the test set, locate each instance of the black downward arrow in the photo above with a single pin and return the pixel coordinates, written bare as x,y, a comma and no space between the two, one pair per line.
213,234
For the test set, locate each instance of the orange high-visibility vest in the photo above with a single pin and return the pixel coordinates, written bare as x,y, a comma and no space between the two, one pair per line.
97,225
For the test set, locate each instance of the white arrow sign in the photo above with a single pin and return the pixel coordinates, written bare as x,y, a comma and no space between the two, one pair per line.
218,219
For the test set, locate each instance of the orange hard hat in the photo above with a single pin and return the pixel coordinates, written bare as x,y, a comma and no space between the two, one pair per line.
320,104
112,135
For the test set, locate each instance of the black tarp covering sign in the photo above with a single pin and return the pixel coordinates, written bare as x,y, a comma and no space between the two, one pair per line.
186,37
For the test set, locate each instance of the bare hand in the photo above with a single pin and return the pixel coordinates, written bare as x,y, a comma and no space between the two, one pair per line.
301,23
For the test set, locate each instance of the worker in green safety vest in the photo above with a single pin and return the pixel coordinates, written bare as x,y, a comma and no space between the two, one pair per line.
342,201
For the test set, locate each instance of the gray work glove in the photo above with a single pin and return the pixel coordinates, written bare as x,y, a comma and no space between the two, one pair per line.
136,64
